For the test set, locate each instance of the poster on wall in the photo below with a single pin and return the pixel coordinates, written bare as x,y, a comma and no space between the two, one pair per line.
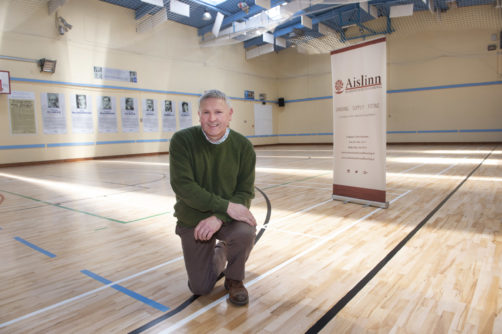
150,116
359,123
22,113
168,116
185,113
5,82
107,73
130,120
263,121
81,114
107,114
53,113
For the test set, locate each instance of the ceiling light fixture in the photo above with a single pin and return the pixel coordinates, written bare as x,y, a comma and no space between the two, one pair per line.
206,16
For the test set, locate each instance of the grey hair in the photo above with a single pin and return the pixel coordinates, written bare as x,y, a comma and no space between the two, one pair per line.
214,94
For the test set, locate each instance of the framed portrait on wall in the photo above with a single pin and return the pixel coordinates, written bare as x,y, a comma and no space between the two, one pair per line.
4,82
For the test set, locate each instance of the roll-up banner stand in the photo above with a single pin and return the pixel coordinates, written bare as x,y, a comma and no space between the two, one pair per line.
359,75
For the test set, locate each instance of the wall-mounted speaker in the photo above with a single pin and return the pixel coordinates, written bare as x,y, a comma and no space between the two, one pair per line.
281,102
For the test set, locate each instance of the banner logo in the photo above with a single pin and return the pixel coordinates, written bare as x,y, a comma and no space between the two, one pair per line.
355,83
339,87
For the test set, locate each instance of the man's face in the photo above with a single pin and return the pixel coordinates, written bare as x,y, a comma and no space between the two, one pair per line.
129,103
214,117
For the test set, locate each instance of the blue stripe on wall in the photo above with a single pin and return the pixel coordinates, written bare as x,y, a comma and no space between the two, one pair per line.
481,130
102,86
71,144
163,140
115,142
474,84
152,141
126,291
16,147
436,131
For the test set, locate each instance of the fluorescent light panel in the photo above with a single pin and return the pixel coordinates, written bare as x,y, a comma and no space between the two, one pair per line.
159,3
180,8
401,10
213,2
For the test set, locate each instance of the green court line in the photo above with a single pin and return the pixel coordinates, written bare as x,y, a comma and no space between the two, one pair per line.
143,218
84,212
301,180
156,215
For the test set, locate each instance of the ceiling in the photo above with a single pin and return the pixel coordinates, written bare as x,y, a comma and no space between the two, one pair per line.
264,26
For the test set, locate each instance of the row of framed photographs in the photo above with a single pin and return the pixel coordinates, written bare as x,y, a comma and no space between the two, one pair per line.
54,113
107,102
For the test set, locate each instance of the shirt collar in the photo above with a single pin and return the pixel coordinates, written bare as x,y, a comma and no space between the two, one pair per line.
219,141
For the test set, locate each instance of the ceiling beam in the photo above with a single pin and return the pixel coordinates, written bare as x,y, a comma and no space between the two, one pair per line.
230,19
145,9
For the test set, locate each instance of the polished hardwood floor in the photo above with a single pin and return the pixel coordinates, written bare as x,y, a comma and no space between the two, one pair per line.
89,247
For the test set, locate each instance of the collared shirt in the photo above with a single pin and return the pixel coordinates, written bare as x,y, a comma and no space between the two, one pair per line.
219,141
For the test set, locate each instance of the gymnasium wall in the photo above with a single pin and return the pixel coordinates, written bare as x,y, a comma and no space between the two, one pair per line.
168,60
443,83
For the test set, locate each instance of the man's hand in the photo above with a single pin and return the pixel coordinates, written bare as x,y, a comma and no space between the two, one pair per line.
241,213
206,228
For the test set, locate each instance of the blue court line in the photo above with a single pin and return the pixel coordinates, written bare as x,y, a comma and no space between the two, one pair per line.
126,291
15,147
29,244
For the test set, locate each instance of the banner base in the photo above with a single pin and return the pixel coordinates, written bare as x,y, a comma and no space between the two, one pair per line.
383,205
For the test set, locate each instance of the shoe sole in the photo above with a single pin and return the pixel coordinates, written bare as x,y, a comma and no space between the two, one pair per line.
239,303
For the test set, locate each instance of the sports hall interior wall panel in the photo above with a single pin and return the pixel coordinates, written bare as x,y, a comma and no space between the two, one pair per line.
168,60
446,55
302,79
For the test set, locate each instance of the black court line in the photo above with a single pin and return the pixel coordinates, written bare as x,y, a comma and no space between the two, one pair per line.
331,313
192,298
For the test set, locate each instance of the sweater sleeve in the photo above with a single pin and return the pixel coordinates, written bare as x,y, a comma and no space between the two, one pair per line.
183,182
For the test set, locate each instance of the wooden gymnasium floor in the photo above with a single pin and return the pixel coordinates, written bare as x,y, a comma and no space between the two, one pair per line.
89,247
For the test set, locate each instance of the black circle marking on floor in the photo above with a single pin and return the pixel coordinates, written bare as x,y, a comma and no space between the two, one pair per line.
192,298
331,313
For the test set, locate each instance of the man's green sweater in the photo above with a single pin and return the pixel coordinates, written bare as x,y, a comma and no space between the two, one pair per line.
206,177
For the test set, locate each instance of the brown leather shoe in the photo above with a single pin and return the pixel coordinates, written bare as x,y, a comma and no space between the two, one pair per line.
237,293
